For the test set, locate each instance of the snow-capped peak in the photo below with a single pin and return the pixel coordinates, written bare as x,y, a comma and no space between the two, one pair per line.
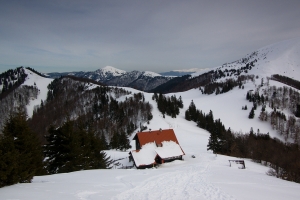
112,70
150,74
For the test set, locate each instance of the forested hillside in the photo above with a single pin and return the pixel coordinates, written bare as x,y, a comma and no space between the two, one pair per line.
17,100
106,109
10,80
74,124
14,98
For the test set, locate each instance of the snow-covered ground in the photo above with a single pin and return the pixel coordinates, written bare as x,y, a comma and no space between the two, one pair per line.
206,176
228,108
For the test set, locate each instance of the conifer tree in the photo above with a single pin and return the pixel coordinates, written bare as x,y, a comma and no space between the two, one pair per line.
104,143
74,147
21,153
251,114
56,150
95,158
114,142
124,142
187,115
180,103
8,161
192,111
212,142
215,141
297,114
251,131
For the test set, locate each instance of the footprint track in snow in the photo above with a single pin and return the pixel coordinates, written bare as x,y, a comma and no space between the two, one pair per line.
188,184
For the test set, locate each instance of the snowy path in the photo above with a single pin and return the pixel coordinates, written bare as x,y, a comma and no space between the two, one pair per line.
187,183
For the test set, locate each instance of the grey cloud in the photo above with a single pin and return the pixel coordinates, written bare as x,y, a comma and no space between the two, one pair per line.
144,35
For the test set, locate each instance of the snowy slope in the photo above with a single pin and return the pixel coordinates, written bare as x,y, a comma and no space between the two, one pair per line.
41,83
228,108
281,58
205,177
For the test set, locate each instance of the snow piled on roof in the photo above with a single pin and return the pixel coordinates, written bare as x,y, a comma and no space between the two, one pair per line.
146,155
169,149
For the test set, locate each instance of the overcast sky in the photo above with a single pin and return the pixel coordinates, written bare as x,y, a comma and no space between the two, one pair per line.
159,36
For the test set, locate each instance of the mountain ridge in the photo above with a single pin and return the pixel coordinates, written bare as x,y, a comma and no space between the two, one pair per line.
282,58
145,80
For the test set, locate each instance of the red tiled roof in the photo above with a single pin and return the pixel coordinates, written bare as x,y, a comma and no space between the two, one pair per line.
158,136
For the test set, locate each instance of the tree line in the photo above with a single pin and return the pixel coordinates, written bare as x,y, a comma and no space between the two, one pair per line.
71,147
225,86
168,105
10,80
38,73
286,80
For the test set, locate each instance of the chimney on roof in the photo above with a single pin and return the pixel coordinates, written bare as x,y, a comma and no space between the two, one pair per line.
160,130
149,129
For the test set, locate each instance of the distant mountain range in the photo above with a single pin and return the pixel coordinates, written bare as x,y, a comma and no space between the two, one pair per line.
141,80
144,81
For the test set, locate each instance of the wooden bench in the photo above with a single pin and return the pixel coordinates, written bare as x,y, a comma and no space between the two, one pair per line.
242,162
